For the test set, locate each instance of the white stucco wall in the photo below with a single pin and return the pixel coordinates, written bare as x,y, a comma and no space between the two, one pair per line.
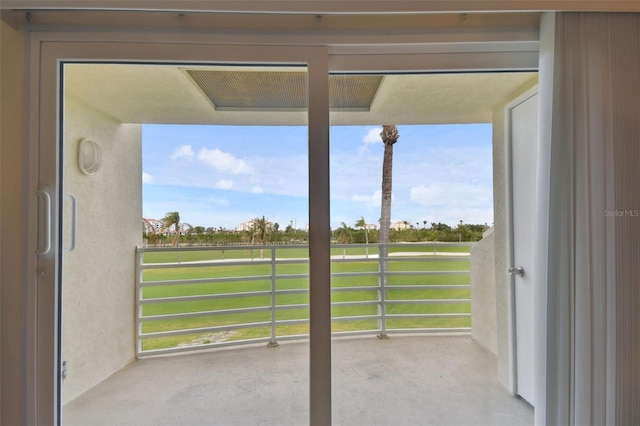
98,276
483,293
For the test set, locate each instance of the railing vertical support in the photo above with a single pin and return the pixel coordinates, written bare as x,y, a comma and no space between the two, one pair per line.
273,343
383,253
138,298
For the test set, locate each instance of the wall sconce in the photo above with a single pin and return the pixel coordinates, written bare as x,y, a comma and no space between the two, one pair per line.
89,156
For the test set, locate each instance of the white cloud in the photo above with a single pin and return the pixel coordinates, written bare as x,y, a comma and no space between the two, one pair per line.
373,199
257,190
224,184
451,194
147,178
224,162
184,151
373,135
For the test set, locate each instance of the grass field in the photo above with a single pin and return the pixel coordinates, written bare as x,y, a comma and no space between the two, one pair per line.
422,260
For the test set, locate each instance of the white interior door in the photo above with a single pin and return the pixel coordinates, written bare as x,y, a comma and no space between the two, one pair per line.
522,118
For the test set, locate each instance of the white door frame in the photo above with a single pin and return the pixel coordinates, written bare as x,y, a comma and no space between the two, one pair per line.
49,50
45,180
512,384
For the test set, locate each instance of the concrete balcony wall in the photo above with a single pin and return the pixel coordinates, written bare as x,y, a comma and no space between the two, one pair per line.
483,293
98,276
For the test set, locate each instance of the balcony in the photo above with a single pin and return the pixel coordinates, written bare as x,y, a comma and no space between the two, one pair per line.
203,315
404,380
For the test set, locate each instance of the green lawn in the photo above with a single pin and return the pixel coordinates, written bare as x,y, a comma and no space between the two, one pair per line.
424,262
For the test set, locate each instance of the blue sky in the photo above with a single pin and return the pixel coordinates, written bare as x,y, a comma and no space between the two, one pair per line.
224,175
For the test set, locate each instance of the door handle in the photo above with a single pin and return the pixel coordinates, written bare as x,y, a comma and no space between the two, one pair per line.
74,222
519,271
47,223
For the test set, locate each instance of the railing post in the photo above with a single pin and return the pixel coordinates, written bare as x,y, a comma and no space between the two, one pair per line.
383,252
273,343
138,297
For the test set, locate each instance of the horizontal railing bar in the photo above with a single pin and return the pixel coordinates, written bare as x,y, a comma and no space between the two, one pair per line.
220,248
203,264
293,306
358,303
428,257
299,260
426,301
369,332
411,316
429,244
361,288
335,258
291,276
302,291
292,322
356,318
206,280
205,297
406,246
204,313
418,273
453,331
204,329
428,287
292,291
354,274
148,353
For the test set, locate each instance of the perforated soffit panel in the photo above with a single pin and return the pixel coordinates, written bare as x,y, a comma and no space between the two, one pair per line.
280,90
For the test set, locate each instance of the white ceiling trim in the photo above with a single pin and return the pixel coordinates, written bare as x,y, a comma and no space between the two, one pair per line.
330,6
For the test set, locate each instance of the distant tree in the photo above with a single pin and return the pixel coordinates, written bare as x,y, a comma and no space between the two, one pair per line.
261,228
343,234
149,232
362,224
440,226
172,220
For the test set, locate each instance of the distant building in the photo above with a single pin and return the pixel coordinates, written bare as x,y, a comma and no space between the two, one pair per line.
151,225
400,225
248,226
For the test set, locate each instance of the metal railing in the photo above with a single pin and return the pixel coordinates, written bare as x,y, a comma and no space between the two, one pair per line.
185,293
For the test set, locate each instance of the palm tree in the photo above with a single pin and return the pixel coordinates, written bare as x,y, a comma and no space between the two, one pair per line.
149,232
360,223
389,137
172,219
343,235
260,228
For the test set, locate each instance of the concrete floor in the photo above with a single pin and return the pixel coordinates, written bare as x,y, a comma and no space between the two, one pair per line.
416,380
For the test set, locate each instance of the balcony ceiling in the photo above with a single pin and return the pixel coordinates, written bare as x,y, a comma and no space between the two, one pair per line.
277,96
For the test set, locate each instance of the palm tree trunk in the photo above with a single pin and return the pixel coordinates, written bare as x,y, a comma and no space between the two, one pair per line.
366,241
385,213
389,136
